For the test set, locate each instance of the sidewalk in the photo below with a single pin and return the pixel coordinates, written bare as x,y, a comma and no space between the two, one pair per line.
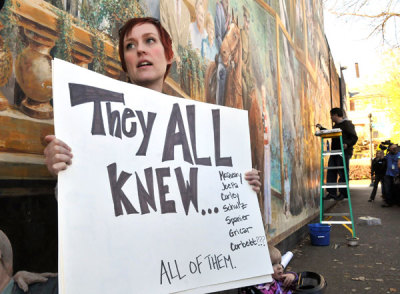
371,267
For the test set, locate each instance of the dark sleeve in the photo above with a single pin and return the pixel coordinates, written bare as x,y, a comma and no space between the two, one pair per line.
351,136
295,281
49,287
373,166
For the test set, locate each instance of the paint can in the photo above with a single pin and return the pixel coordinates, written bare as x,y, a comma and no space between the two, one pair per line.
319,234
310,283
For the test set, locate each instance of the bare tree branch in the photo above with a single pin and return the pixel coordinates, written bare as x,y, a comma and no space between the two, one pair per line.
382,23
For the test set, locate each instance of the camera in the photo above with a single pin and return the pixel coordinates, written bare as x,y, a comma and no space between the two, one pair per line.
385,145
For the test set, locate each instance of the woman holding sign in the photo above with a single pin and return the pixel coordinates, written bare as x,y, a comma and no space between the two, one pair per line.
145,50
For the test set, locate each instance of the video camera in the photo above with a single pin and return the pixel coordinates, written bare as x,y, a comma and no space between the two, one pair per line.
385,145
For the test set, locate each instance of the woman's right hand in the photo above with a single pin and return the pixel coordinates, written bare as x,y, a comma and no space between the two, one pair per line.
58,155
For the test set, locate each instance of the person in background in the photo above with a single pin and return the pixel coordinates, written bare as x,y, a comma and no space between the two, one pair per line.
378,171
349,138
392,171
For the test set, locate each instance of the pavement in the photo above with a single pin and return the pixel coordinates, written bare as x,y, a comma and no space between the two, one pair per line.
373,266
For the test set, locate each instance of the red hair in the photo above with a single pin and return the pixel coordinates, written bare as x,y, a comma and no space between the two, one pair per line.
164,38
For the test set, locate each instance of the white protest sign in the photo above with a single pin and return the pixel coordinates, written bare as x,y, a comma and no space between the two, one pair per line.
155,200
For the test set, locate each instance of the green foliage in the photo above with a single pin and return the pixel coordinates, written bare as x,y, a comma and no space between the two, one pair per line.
64,43
192,72
9,32
99,59
108,15
56,3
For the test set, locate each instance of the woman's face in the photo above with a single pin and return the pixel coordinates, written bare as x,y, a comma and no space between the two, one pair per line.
145,56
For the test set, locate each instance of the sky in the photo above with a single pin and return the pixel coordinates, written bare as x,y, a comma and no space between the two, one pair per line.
349,42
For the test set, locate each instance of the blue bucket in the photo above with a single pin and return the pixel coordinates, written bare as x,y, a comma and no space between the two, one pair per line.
319,234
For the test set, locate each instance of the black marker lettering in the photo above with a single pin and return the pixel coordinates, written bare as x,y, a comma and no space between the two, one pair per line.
118,195
219,161
179,138
191,117
80,94
146,198
188,191
151,116
167,206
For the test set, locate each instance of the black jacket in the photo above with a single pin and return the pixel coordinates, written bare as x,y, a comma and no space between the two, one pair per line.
379,166
349,136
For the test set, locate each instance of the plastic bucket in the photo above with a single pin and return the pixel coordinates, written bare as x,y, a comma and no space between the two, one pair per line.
319,234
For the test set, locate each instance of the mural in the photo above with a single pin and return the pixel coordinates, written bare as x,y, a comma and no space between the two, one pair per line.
311,32
227,52
299,27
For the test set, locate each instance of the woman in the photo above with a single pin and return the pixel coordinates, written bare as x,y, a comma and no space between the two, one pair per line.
145,50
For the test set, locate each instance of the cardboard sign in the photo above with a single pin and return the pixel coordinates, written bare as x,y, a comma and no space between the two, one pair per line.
155,200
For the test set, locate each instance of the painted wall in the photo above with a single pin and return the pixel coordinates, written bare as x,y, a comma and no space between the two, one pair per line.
279,69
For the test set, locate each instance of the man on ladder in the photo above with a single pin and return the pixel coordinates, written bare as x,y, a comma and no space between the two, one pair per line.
350,138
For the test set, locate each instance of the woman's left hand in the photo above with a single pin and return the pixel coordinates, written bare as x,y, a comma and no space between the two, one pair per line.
253,178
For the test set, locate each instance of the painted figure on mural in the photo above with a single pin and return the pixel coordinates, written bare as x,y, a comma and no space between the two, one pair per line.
297,177
248,80
222,21
231,57
176,20
208,47
197,30
267,159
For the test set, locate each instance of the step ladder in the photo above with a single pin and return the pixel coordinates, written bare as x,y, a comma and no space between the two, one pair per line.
326,218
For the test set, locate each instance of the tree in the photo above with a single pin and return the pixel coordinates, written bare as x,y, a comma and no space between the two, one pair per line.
390,87
387,86
382,16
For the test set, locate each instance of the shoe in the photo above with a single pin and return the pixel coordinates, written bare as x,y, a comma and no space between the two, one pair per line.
340,197
386,205
329,196
370,200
